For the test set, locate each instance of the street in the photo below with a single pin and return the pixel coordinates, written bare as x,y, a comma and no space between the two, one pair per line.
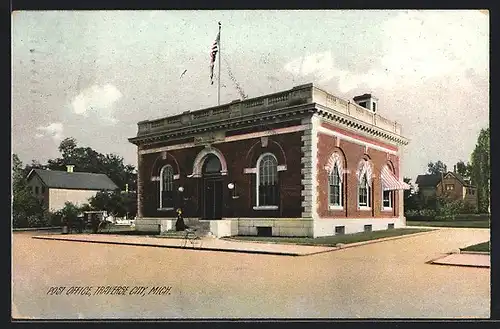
390,279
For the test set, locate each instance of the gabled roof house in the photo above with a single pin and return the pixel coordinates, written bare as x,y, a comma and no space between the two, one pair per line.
55,188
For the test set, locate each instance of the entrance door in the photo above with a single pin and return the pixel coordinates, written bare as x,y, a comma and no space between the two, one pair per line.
213,198
212,188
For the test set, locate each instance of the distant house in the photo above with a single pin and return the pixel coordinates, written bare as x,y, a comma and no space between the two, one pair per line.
449,185
55,188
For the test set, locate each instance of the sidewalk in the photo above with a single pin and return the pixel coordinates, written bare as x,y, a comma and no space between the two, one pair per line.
209,244
464,259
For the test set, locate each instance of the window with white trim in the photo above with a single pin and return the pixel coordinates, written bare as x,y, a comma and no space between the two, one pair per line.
364,192
267,181
334,187
166,187
387,199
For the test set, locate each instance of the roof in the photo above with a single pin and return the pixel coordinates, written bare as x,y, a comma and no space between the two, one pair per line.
460,179
428,180
433,179
360,97
74,180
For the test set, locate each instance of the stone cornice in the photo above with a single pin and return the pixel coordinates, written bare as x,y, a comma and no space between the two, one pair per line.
356,125
245,121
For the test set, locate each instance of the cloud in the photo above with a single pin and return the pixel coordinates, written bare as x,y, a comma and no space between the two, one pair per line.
54,130
98,99
416,46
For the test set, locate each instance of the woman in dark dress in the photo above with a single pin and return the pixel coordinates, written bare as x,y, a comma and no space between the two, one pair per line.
179,224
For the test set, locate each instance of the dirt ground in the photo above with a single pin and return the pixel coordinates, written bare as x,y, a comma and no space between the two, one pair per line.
383,280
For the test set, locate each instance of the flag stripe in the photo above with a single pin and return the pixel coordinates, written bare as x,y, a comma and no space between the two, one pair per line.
213,54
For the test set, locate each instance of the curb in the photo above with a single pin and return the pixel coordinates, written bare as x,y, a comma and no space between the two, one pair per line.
178,247
475,252
26,229
431,262
345,246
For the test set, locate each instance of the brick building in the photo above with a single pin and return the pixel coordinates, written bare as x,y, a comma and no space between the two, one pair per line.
449,185
296,163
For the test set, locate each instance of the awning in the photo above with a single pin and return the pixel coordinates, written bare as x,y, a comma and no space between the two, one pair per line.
390,182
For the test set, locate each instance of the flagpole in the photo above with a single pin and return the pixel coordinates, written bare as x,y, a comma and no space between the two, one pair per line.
218,84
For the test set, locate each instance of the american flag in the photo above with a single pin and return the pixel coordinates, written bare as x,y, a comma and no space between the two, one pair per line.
213,54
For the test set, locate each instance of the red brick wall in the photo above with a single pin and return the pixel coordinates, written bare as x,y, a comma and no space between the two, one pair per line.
238,155
353,154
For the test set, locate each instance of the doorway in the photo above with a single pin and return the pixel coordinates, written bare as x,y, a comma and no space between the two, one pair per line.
212,190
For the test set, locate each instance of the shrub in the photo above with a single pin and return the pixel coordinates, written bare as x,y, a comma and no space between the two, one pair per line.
412,213
36,221
429,213
53,218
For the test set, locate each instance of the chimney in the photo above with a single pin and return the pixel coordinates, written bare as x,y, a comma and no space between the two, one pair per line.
368,101
69,168
454,169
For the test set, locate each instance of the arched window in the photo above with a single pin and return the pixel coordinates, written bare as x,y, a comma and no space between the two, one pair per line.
335,187
364,192
212,165
267,181
166,187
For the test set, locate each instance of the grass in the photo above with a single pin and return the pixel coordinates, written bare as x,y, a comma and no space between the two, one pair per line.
450,223
484,247
331,241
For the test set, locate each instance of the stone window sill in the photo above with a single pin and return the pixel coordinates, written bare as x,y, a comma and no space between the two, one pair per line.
265,207
330,207
363,208
387,209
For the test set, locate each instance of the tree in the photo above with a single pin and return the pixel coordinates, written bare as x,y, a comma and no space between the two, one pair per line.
436,168
27,211
67,147
480,169
86,159
463,169
410,197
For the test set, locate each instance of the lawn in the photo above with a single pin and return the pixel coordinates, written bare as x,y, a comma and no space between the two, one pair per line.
332,240
484,247
451,223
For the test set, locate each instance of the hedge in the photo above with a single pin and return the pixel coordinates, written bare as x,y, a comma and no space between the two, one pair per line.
460,217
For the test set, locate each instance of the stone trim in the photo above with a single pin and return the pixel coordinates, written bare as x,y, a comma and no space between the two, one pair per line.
326,131
358,125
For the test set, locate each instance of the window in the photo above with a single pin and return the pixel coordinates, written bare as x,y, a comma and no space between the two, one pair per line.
374,106
212,165
368,228
335,188
363,104
387,200
166,187
364,192
37,189
264,231
43,189
449,187
267,181
390,226
339,230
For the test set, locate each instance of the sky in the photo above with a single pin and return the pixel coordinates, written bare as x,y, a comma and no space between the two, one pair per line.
93,75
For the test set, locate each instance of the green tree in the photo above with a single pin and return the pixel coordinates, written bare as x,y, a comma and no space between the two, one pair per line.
86,159
480,169
463,169
27,211
436,168
411,201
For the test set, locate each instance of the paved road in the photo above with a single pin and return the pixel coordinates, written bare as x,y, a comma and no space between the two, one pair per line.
383,280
